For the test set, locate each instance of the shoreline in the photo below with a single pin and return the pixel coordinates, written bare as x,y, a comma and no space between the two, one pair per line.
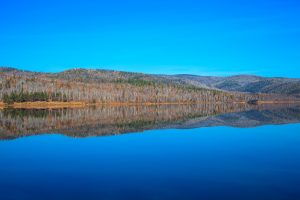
79,104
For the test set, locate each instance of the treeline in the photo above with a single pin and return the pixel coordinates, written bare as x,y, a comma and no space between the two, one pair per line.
32,97
81,86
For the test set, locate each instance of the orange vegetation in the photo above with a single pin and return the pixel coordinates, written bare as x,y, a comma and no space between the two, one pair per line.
80,104
44,104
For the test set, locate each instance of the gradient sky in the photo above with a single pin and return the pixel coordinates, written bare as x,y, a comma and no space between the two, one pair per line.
199,37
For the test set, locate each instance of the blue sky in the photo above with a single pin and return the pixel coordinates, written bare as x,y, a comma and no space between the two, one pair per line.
199,37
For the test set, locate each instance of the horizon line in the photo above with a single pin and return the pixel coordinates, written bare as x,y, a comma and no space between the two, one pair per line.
146,73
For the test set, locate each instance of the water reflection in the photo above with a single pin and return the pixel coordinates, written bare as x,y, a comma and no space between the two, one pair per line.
99,121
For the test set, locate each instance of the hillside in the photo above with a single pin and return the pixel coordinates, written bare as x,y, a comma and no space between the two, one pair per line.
106,86
246,83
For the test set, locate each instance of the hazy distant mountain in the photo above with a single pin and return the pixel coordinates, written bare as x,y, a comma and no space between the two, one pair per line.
245,83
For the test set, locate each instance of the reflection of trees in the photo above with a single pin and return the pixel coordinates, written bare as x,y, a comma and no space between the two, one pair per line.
112,120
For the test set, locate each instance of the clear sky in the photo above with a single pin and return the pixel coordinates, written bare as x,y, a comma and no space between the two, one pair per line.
213,37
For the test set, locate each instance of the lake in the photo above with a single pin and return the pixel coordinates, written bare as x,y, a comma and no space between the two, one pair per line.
151,152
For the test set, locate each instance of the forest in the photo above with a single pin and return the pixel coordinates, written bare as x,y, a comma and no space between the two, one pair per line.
109,86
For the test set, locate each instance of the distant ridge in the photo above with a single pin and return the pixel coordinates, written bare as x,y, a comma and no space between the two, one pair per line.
247,83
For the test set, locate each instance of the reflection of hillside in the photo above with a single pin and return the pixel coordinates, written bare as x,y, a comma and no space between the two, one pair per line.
250,118
91,121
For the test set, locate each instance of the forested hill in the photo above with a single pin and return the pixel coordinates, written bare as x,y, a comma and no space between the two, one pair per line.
105,86
245,83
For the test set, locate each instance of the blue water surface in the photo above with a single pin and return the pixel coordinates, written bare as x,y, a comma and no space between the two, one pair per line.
203,163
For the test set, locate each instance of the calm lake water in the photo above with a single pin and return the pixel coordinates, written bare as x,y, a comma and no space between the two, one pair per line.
166,153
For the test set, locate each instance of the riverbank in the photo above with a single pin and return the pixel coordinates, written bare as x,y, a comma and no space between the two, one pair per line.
279,102
43,104
54,104
78,104
73,104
